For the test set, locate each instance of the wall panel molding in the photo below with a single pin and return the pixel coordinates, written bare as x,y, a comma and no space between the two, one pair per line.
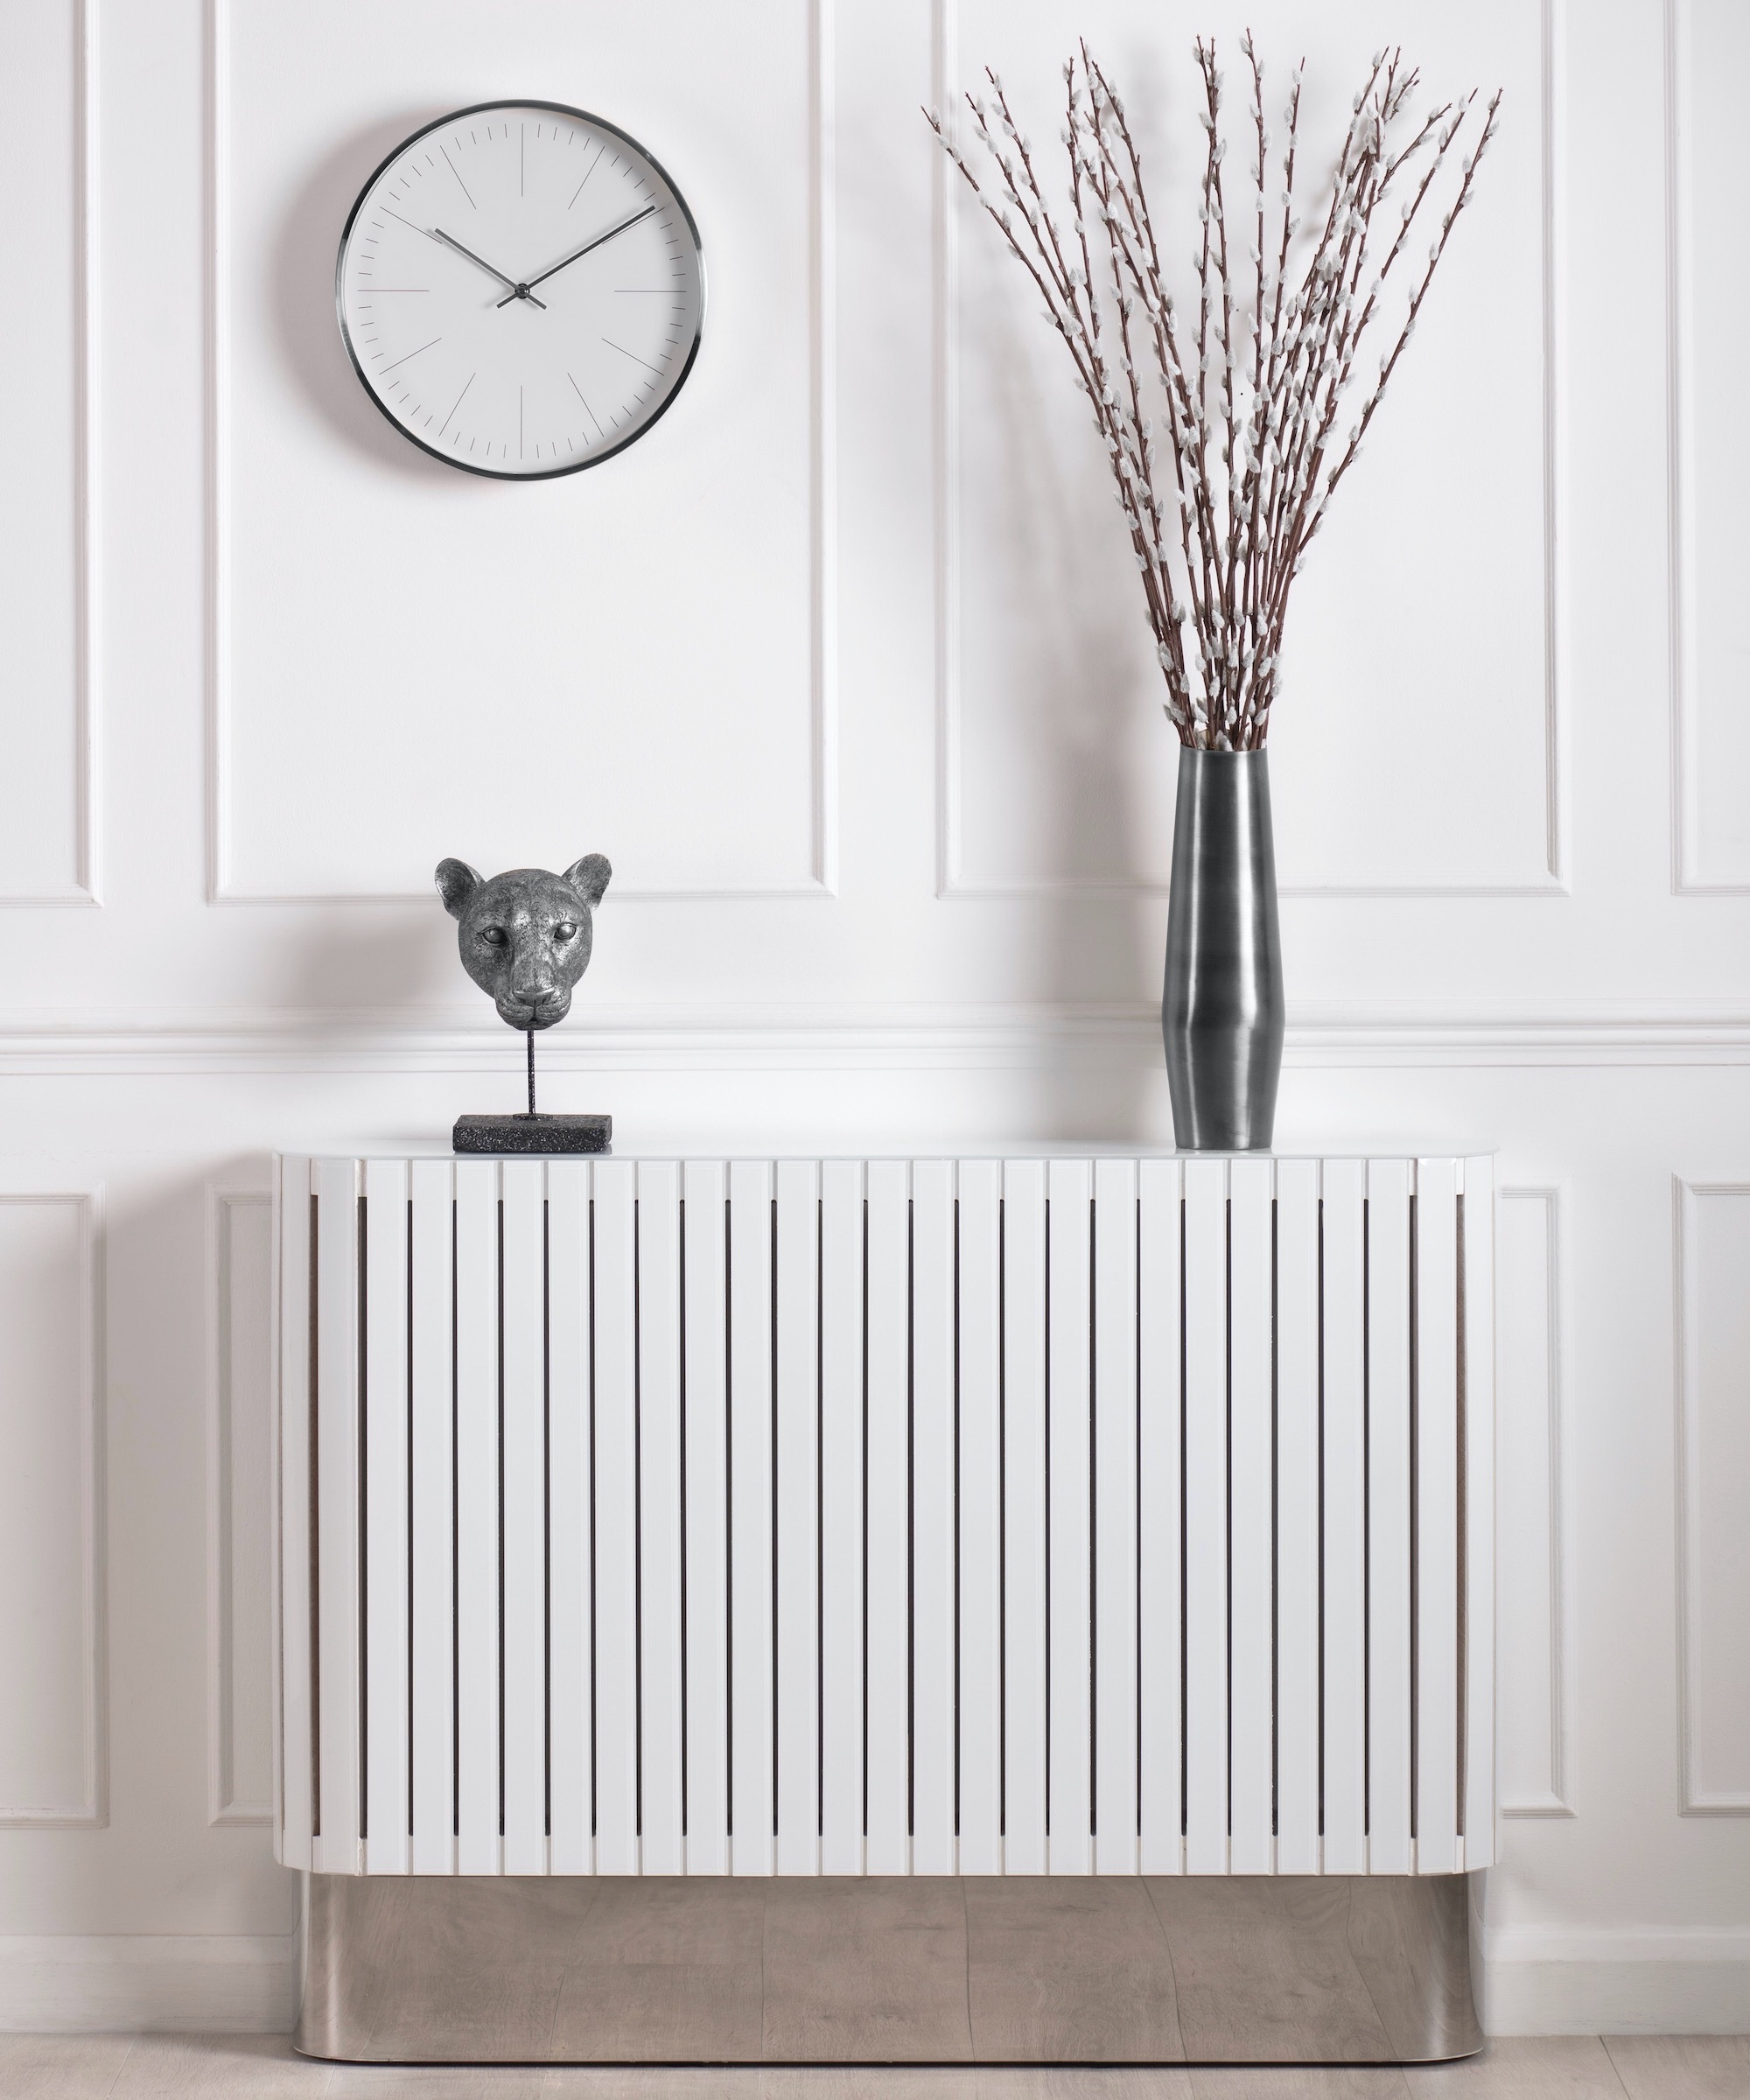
90,1810
1697,1468
1533,1532
84,889
1687,877
952,883
822,880
919,1038
239,1507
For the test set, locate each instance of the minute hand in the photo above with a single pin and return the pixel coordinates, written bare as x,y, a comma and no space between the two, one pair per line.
588,245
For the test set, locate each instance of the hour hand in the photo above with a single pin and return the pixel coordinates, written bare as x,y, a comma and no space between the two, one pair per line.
516,290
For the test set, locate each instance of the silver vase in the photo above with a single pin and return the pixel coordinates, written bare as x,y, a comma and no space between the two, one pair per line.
1221,1012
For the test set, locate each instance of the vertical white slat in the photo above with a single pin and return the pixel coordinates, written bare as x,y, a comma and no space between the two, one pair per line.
1205,1516
388,1842
1438,1848
338,1558
662,1849
433,1226
841,1516
888,1736
934,1851
1069,1186
752,1803
797,1372
294,1627
1479,1512
1296,1516
1389,1575
615,1251
980,1286
478,1849
1251,1517
1343,1225
704,1193
1115,1403
1024,1505
1159,1247
570,1519
522,1358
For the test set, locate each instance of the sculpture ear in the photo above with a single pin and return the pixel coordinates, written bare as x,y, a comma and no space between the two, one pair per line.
457,882
589,876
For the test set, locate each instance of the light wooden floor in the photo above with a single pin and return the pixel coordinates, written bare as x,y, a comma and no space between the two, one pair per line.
165,2067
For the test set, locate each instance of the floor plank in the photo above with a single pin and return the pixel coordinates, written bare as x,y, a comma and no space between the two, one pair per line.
61,2066
1556,2067
1298,2082
218,2067
1681,2067
884,1981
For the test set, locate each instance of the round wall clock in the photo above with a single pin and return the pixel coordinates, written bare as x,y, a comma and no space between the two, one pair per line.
521,290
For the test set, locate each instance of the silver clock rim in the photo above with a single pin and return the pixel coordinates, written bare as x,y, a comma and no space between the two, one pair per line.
588,116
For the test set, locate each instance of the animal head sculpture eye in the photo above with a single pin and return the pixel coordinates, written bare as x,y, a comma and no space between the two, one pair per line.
525,935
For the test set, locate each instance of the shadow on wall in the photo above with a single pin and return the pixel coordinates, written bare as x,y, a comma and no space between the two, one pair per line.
303,296
1080,697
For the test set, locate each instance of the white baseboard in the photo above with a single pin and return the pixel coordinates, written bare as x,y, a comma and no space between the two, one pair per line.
1533,1983
114,1983
1616,1982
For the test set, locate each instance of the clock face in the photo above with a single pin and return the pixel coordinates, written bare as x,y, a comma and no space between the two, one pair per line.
521,290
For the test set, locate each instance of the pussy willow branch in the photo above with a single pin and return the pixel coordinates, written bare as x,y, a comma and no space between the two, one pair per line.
1223,434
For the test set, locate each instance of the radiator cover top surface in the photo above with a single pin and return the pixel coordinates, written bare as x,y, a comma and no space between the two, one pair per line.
1119,1514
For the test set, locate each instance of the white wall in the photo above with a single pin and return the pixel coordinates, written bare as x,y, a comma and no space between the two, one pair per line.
839,666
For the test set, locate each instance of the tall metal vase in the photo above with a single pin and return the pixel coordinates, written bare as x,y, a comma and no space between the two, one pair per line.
1221,1012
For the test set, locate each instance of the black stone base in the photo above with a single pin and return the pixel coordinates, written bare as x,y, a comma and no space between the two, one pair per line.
532,1133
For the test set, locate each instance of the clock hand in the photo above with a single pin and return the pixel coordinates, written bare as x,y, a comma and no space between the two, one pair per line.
583,250
517,292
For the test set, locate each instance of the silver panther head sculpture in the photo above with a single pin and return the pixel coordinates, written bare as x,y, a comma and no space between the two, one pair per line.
525,935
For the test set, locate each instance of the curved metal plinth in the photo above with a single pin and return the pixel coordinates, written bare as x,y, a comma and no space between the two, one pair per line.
1023,1969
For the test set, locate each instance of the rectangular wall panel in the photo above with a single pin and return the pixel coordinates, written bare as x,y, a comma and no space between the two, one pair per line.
1532,1662
1715,1569
244,1721
49,1753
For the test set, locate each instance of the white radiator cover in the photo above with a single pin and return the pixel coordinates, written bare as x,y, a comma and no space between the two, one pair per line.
881,1517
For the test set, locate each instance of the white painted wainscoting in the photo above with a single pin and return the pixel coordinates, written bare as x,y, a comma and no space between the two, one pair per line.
840,668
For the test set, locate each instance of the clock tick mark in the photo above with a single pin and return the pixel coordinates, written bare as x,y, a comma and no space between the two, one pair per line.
588,172
411,353
456,404
460,185
633,356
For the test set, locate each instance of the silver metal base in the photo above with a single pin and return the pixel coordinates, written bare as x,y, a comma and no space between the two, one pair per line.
1018,1970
